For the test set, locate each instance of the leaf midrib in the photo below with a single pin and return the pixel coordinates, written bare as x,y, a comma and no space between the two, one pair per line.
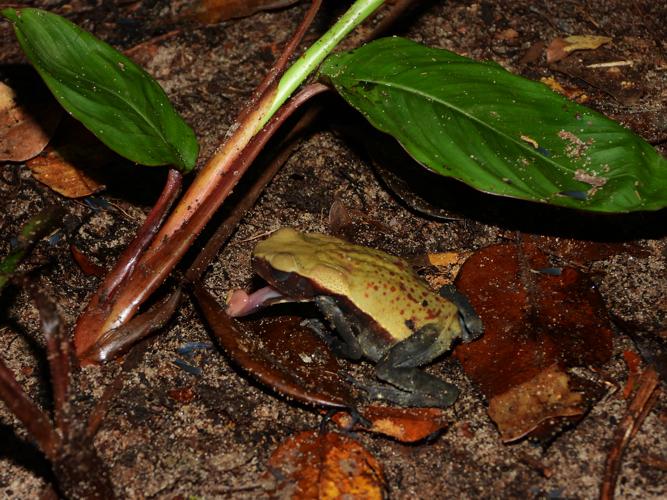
158,131
521,144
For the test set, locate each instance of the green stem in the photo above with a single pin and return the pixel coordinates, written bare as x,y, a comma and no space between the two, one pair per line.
311,59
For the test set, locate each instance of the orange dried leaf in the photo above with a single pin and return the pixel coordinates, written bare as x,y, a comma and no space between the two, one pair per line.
560,48
315,465
215,11
54,169
573,93
525,406
25,127
404,424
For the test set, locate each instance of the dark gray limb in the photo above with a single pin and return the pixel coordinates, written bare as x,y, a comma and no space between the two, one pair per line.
346,345
471,324
415,387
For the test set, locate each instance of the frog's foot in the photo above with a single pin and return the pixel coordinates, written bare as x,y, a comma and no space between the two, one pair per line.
399,367
394,395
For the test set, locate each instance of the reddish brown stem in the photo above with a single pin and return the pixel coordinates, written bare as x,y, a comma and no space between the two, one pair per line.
35,420
90,322
226,228
58,356
161,258
280,64
639,407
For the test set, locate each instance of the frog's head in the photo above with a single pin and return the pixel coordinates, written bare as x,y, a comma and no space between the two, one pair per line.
299,265
288,283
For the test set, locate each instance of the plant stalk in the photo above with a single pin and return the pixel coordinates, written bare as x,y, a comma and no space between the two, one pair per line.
216,180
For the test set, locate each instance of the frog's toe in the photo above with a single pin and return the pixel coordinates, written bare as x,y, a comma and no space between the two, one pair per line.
382,392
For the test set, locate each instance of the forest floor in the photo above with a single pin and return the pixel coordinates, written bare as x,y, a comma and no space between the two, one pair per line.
210,432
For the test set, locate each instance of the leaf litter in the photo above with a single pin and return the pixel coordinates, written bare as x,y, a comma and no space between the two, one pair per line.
539,320
27,123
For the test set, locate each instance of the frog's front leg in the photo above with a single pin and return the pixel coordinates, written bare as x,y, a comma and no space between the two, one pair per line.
399,367
347,346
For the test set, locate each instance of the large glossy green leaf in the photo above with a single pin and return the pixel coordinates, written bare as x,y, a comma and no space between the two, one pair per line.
113,97
498,132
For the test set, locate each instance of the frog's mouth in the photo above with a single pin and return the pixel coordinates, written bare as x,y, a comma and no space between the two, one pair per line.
240,303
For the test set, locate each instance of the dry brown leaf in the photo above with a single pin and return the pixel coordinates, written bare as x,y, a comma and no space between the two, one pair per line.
215,11
407,425
534,316
56,170
560,48
585,42
25,127
315,465
573,93
524,407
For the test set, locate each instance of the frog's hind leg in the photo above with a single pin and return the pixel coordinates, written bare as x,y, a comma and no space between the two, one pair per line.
412,386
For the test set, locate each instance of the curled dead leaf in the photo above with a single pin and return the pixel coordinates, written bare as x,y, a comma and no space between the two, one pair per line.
281,353
525,406
560,48
27,124
215,11
314,465
534,316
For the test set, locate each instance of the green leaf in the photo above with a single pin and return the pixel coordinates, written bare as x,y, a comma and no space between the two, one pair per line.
113,97
36,227
498,132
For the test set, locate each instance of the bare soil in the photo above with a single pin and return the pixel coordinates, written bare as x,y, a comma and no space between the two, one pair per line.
216,444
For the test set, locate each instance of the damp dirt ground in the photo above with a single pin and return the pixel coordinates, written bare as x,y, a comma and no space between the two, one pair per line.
209,433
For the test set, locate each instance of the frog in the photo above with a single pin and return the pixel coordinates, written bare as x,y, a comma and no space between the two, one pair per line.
381,310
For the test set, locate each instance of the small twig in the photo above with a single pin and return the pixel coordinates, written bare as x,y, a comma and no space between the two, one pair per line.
97,415
396,11
655,462
640,406
58,355
34,419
